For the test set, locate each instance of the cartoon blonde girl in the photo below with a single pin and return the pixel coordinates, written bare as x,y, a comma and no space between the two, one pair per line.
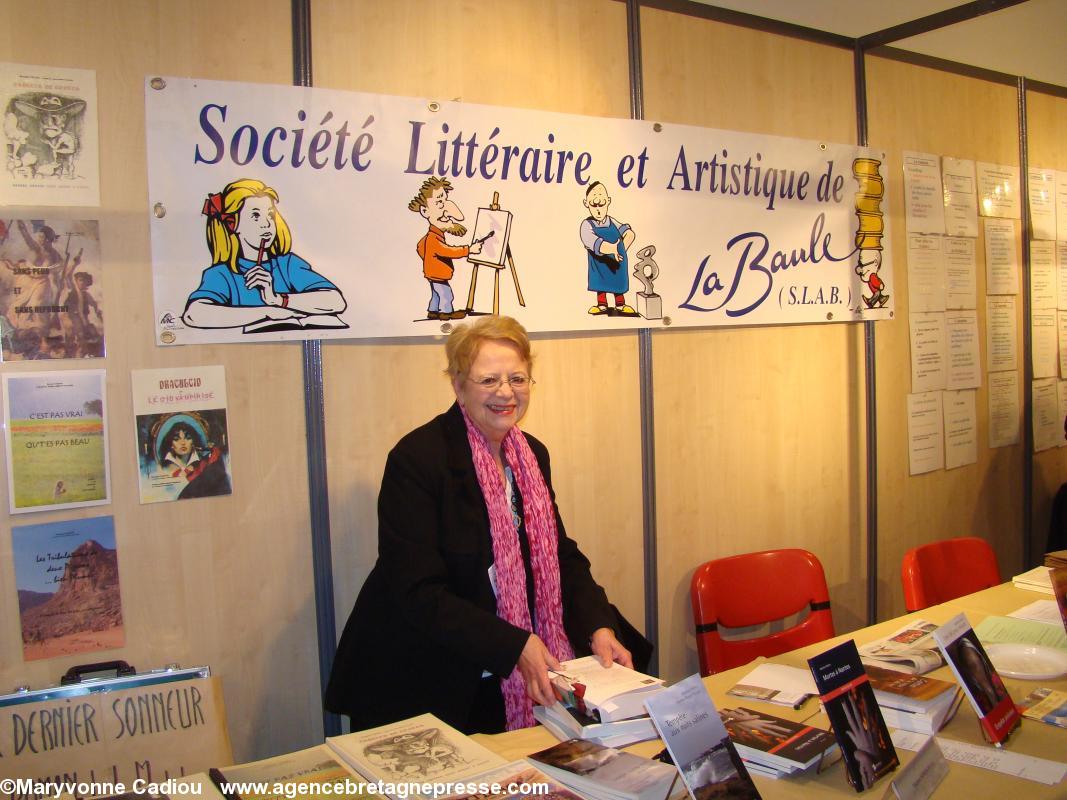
254,275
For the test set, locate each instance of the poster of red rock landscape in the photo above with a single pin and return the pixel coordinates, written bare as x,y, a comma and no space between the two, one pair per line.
67,578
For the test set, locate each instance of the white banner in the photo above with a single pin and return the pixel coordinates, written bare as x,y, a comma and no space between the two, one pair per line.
288,213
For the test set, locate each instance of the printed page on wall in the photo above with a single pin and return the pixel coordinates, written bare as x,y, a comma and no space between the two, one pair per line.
282,212
924,200
1041,185
926,451
182,437
1005,409
50,136
961,197
1061,205
67,578
57,446
51,289
961,273
998,190
961,428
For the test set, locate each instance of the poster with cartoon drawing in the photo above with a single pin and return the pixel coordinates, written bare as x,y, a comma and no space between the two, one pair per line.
292,213
50,136
51,289
182,436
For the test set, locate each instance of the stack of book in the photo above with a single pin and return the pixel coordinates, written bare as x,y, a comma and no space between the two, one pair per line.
606,694
565,722
911,649
914,702
1057,558
1035,580
604,773
776,747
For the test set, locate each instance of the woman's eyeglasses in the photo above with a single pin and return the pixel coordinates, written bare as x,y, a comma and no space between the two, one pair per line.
491,383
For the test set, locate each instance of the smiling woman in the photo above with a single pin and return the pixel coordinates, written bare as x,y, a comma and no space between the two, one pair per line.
478,591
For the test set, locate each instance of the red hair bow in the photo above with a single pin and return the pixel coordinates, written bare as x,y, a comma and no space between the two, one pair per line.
213,210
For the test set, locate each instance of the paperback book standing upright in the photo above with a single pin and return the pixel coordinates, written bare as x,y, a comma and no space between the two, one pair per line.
847,696
979,678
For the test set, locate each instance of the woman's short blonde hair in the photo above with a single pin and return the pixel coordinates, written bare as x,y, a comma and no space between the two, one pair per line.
462,345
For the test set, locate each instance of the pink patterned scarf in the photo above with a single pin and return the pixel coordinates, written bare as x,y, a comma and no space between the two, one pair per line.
539,515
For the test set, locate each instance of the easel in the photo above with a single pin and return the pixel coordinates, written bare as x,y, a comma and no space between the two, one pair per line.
495,206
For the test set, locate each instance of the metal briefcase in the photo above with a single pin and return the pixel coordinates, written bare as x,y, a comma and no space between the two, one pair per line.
107,723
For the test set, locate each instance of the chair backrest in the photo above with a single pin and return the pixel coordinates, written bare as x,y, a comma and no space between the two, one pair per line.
753,589
942,571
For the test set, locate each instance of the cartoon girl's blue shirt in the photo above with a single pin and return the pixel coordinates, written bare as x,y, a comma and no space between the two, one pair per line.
289,273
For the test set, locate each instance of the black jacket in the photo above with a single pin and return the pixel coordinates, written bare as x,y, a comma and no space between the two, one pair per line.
424,626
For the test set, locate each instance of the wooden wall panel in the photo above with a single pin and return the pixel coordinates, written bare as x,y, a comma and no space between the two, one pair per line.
585,405
759,431
918,108
220,581
1046,130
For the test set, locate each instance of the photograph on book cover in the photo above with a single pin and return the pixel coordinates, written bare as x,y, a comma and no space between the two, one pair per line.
977,672
67,578
182,436
57,444
50,289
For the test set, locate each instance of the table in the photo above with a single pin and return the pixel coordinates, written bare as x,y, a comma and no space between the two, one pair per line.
1032,738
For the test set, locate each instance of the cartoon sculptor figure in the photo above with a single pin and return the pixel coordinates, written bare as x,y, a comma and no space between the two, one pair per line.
254,275
606,242
870,229
444,216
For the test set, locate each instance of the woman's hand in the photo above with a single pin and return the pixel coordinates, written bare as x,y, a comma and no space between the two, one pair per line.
607,649
534,663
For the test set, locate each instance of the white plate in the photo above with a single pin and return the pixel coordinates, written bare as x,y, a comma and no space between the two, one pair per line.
1028,661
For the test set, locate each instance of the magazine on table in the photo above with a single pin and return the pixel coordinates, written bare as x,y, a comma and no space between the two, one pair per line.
605,773
848,698
910,649
1046,705
979,679
422,749
776,683
609,693
699,743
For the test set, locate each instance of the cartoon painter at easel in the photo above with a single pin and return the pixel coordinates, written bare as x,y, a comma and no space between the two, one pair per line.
444,216
606,242
254,276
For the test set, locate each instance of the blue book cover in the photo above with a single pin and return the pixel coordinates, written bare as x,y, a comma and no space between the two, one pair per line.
696,738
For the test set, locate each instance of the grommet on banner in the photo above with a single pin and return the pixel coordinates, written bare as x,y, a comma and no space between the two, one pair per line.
434,106
657,127
157,84
159,210
666,321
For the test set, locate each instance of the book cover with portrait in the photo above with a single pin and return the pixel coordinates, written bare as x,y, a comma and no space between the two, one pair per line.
182,437
979,678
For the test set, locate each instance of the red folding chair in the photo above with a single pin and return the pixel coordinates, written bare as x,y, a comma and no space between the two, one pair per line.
942,571
754,589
